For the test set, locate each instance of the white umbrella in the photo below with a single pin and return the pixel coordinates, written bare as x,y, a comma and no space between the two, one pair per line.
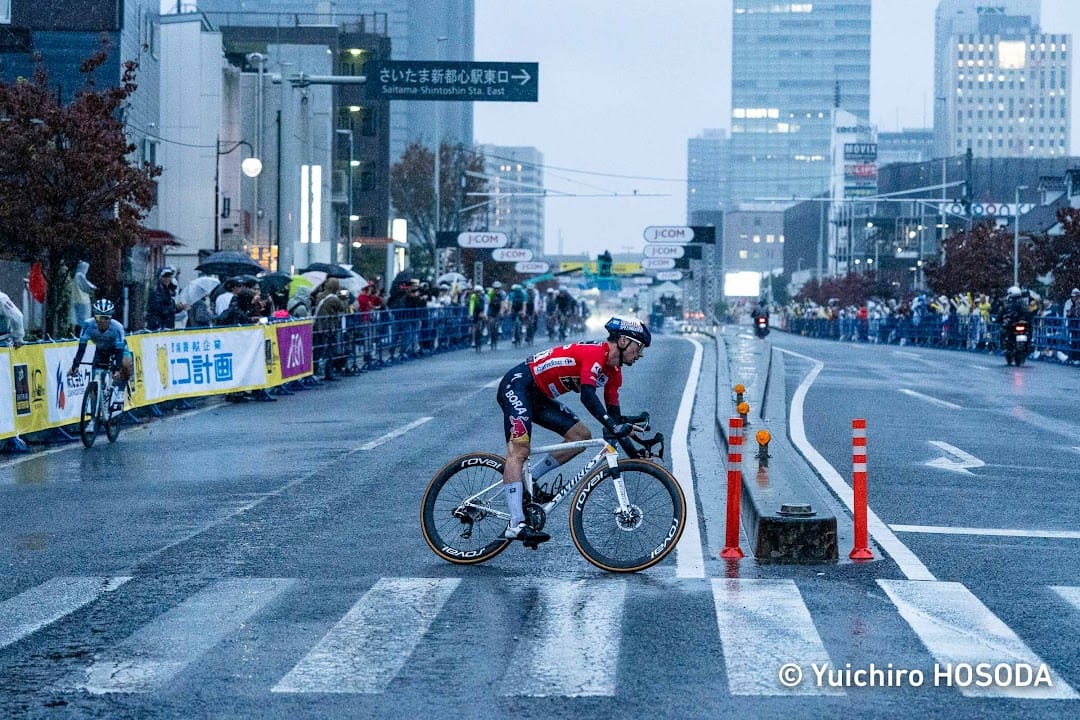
354,283
198,288
450,278
316,277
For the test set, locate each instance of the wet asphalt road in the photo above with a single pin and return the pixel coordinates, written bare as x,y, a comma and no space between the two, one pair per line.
265,559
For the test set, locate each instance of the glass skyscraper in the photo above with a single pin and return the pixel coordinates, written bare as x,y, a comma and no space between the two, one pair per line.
791,64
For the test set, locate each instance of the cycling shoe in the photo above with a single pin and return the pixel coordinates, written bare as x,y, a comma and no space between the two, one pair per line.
526,534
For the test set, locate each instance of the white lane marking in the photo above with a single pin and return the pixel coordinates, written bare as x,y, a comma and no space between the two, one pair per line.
908,354
930,399
393,434
689,555
998,532
957,628
978,367
493,383
367,648
959,462
570,643
161,649
1070,595
44,604
764,624
907,561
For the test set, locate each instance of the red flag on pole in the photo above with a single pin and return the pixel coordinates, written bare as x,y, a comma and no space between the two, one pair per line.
37,283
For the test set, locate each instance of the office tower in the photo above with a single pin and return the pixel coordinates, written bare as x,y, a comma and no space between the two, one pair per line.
792,63
516,176
706,171
1000,83
418,30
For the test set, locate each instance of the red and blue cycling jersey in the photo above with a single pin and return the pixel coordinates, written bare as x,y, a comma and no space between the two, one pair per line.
566,368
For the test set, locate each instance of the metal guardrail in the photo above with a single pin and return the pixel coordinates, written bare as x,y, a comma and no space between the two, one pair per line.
1053,337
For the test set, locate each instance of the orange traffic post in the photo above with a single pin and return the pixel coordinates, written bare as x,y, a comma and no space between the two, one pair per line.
731,550
861,551
739,390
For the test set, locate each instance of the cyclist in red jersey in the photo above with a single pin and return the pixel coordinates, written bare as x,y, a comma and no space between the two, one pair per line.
528,394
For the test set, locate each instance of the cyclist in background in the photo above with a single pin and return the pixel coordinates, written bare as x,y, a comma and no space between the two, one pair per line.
528,392
110,347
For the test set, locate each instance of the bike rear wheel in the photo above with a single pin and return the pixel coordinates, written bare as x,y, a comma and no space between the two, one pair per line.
459,532
87,421
645,534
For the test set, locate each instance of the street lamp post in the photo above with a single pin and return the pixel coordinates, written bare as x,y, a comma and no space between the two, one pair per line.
345,132
260,60
438,152
251,167
1016,236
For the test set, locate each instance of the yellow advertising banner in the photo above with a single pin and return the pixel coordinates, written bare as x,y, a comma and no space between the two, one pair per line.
40,394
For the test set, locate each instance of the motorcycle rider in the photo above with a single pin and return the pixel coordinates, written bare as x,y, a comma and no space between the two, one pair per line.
1016,308
761,310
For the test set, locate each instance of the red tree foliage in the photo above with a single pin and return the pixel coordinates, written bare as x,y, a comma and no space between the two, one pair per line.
981,261
67,189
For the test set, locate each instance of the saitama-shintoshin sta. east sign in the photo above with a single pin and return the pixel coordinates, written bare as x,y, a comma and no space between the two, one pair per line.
444,80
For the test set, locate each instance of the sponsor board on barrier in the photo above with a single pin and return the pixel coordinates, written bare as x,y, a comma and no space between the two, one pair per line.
669,251
182,365
511,254
42,395
7,400
658,263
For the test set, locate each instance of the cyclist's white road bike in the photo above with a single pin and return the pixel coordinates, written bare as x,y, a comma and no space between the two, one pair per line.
626,514
98,410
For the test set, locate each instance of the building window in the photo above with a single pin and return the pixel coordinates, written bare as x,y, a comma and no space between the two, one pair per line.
5,12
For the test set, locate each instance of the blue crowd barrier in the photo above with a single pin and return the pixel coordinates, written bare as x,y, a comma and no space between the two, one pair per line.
1053,337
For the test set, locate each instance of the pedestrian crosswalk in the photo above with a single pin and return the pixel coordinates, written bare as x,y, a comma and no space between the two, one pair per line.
566,638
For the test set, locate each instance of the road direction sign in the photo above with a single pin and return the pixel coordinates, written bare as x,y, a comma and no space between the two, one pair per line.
669,234
659,250
454,81
658,263
489,240
511,254
530,267
672,275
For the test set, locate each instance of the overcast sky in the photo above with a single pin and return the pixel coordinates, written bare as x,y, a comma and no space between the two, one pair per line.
625,83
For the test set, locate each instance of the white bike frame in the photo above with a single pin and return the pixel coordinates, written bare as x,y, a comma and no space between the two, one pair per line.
607,452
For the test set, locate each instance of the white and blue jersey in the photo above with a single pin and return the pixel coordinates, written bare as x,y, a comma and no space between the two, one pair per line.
110,343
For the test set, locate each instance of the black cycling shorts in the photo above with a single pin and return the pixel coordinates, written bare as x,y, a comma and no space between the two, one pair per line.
523,404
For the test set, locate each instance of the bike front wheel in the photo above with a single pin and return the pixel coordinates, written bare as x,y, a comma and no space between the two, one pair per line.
456,515
87,421
640,536
112,421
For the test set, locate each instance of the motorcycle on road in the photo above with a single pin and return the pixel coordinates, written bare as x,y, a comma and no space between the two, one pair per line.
761,326
1016,341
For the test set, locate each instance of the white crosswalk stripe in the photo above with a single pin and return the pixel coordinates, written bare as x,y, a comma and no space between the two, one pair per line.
44,604
1069,594
570,643
367,648
764,624
958,629
161,649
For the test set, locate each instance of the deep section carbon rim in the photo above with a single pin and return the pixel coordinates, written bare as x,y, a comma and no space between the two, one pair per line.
459,531
638,538
87,426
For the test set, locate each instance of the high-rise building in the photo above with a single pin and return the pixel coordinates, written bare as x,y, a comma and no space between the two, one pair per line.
706,171
516,179
418,30
792,63
1000,83
910,145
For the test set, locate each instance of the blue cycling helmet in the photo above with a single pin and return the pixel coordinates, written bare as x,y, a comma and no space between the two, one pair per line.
633,329
104,307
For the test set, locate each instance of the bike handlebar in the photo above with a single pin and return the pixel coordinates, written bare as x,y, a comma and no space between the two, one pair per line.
635,445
